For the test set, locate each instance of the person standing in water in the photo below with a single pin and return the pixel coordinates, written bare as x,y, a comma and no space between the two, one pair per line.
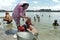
49,16
42,15
55,24
38,18
19,12
34,18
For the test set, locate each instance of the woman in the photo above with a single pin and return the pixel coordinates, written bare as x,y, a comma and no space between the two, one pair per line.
19,12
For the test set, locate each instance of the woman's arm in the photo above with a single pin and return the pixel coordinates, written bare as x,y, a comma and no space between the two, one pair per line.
22,13
25,17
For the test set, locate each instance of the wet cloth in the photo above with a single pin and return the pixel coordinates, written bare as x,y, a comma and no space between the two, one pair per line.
23,28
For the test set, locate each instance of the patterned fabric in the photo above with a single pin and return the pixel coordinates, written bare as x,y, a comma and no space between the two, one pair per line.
17,12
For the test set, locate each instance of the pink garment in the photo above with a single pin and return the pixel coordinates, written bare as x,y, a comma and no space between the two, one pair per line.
17,12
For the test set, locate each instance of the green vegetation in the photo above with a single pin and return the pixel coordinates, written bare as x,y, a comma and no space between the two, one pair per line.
41,10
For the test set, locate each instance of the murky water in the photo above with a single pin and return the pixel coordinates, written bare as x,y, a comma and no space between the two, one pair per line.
45,28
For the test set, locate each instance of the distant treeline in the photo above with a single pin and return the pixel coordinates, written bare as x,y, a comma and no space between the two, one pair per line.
41,10
4,11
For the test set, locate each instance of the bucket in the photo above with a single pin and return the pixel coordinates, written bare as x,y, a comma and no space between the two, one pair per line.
25,36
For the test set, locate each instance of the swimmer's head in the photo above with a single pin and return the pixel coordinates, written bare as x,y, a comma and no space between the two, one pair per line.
55,21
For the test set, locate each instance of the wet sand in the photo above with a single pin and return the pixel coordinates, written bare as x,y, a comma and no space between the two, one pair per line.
4,36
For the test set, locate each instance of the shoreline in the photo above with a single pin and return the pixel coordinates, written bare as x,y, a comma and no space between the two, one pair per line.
37,11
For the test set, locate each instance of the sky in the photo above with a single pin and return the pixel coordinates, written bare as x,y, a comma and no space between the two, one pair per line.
33,4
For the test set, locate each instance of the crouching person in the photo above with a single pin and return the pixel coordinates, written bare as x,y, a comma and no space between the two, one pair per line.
28,27
7,18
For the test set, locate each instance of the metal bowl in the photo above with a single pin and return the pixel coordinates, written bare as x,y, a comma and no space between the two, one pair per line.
25,36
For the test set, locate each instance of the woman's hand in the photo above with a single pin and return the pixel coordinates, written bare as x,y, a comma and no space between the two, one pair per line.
28,18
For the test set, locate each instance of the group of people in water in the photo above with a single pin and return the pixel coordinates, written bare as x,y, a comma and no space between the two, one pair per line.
27,27
19,12
37,17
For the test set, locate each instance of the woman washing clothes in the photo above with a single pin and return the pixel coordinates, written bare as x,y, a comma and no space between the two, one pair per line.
20,12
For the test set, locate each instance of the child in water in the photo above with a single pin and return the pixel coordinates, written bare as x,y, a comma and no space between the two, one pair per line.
28,27
7,18
34,18
38,18
55,24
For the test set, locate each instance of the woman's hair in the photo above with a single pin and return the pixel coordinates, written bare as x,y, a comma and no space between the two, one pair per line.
25,4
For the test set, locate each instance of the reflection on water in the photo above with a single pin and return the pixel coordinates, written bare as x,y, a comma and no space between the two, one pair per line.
46,30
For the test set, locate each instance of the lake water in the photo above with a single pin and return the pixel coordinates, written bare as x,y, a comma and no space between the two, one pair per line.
46,30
